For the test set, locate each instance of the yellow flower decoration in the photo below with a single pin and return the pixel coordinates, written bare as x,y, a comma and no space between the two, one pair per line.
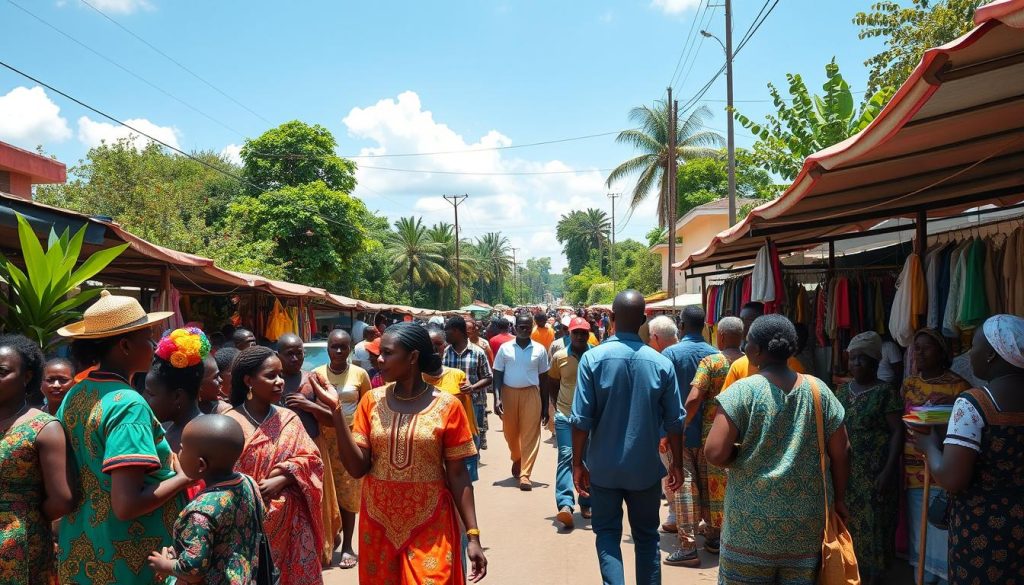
179,359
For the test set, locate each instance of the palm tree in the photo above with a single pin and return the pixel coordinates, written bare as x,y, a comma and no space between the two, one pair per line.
579,232
651,139
494,258
416,258
444,234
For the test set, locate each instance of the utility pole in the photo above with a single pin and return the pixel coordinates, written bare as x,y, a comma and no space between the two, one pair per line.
729,128
515,283
670,188
613,197
455,200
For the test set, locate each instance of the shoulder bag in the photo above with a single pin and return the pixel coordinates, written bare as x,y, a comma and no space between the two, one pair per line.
838,560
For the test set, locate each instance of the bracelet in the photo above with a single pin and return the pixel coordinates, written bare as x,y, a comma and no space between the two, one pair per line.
473,532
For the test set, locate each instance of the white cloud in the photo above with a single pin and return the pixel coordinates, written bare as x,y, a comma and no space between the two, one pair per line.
92,133
674,6
523,207
28,118
122,6
233,153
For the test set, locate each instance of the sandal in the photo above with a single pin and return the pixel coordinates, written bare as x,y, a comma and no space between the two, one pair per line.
683,559
348,561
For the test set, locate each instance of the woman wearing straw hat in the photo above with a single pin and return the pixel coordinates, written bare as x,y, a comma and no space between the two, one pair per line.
132,488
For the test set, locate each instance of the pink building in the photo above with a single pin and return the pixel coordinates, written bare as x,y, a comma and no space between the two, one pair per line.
20,169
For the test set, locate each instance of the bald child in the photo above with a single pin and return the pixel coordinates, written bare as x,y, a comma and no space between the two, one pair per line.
214,535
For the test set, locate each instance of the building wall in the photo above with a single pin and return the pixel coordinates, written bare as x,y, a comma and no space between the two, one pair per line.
696,234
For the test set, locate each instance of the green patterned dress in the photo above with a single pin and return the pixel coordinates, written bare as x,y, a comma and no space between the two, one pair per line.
26,542
872,518
215,535
111,427
774,506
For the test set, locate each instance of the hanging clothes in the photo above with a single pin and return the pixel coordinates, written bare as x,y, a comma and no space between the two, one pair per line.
910,302
956,286
762,287
974,307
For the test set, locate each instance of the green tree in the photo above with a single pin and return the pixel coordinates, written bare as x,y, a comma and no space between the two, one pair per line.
369,273
656,235
580,232
536,279
703,180
317,230
637,267
293,154
578,285
811,123
444,234
907,30
493,256
651,139
416,258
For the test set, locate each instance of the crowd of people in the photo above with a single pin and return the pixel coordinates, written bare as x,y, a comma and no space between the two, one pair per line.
225,461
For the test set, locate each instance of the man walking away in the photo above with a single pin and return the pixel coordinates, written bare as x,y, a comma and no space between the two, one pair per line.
625,393
519,400
562,379
685,356
501,337
542,334
466,356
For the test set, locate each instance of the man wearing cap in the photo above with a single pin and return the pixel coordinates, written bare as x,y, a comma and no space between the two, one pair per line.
360,355
519,399
562,380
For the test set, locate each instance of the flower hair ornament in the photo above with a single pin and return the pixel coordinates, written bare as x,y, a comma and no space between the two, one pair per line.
183,348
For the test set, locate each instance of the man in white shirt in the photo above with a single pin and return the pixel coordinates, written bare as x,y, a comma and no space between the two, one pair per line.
360,356
519,398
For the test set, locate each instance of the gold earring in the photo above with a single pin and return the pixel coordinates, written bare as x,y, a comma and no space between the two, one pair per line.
249,395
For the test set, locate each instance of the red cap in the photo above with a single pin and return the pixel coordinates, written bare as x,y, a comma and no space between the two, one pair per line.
578,323
374,346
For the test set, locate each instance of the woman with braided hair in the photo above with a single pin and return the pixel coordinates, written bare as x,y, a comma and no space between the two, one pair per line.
408,442
285,463
774,511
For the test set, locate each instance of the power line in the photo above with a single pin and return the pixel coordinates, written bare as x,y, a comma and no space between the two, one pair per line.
204,163
696,51
485,174
175,61
125,69
687,45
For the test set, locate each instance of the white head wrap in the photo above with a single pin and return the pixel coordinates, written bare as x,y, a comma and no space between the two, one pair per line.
1005,333
868,342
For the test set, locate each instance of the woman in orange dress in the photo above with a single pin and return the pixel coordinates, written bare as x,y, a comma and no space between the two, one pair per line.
408,441
285,463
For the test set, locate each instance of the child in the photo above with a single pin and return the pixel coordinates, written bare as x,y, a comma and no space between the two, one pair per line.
215,536
58,378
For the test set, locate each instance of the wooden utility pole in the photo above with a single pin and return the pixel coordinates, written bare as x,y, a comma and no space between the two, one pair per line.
670,191
515,282
729,127
455,200
611,255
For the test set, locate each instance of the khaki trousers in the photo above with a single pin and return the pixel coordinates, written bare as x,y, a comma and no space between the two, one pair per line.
521,425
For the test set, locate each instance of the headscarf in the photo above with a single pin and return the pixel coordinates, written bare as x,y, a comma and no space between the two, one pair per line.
943,344
869,343
1005,333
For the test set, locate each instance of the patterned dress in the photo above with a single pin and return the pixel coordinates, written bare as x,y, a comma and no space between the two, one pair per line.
986,533
710,376
215,535
774,511
408,526
26,542
110,427
293,520
871,521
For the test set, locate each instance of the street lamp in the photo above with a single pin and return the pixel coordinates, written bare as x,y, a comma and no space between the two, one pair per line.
731,137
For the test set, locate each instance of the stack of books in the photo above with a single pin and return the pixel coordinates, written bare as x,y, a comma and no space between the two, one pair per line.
929,415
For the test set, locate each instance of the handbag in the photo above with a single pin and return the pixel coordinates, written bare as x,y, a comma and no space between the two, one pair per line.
938,511
266,572
838,560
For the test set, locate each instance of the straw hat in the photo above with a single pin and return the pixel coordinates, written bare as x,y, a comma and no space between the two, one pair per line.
112,315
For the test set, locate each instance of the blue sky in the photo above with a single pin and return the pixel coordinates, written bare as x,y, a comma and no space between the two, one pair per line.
409,77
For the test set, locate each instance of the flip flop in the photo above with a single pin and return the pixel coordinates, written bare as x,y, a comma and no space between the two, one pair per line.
348,561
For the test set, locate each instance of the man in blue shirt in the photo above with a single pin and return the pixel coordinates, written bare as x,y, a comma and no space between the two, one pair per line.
626,393
685,356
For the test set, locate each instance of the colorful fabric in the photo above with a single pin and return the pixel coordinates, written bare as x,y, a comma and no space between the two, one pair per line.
451,380
744,570
918,392
773,504
476,366
110,427
685,355
965,426
742,368
1005,333
543,335
26,540
871,514
215,535
352,384
293,521
985,538
330,506
974,307
408,529
709,380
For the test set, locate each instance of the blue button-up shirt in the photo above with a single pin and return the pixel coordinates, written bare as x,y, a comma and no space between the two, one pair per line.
626,393
685,356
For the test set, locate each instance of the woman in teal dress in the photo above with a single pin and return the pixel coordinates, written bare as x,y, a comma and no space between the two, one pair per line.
35,488
873,411
132,493
774,501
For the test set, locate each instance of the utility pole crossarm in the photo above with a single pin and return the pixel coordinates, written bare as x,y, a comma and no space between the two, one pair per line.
455,200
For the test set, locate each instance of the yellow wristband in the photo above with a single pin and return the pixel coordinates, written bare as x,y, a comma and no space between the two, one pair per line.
473,532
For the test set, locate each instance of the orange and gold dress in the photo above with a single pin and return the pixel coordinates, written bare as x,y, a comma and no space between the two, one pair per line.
408,526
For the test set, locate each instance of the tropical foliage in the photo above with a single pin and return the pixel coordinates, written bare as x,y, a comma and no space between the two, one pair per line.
651,140
704,180
635,267
40,303
811,122
580,233
293,154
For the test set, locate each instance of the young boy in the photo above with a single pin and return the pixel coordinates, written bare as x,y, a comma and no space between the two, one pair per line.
215,535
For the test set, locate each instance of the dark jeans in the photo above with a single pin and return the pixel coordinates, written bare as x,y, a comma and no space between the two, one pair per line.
643,508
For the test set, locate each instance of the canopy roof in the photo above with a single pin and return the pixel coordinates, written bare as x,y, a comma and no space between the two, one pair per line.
952,138
679,302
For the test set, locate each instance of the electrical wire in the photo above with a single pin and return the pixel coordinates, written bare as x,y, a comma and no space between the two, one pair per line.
175,61
696,52
125,69
688,44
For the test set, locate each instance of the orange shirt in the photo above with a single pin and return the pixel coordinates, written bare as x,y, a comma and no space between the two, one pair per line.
543,335
742,368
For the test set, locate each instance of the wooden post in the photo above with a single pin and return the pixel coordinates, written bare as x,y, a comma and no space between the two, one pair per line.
922,541
922,233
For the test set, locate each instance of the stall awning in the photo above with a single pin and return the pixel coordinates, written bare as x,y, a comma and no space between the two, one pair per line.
679,302
952,138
